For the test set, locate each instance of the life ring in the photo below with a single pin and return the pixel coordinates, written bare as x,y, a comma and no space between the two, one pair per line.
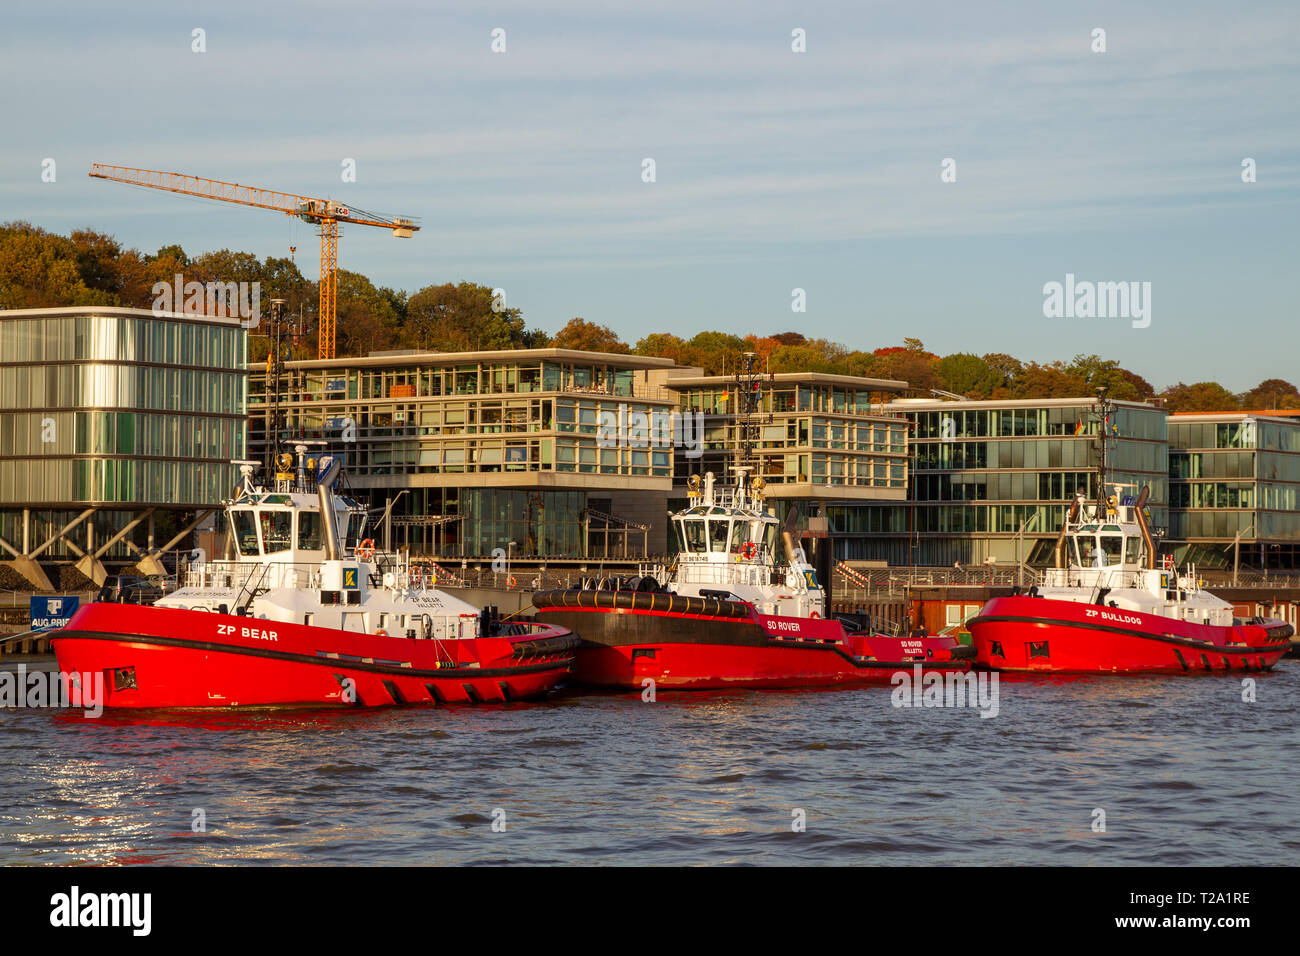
511,583
380,632
366,550
748,550
814,615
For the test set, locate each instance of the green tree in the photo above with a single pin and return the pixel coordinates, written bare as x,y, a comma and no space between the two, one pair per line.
967,375
460,318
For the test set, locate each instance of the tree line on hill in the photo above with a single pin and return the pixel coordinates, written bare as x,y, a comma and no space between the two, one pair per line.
40,269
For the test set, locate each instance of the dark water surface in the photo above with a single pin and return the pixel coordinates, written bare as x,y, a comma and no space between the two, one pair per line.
1186,772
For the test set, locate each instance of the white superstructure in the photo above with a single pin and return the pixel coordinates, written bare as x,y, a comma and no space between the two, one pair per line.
728,548
1106,556
301,558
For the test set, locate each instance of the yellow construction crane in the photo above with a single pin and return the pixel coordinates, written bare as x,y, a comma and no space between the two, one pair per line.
325,213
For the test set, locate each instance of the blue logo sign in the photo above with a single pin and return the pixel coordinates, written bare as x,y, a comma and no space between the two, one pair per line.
350,577
49,613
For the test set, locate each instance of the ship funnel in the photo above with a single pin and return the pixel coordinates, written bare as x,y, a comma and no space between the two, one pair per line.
1147,540
328,472
787,532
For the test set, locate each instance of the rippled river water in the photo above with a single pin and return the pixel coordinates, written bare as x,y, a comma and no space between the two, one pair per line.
1185,770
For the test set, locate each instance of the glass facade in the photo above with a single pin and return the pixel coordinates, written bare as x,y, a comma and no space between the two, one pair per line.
825,437
119,408
495,417
491,447
982,469
1235,478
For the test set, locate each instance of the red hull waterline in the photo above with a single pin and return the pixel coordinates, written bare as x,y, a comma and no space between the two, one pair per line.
1044,635
623,648
174,658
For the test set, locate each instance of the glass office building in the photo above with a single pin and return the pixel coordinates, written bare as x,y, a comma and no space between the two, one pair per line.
115,410
982,471
1234,479
816,437
490,447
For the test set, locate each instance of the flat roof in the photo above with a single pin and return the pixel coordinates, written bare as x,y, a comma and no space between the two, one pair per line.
930,404
824,378
119,310
402,357
1283,416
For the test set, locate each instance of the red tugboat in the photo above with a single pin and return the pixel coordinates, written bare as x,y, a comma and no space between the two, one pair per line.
308,613
1106,608
727,616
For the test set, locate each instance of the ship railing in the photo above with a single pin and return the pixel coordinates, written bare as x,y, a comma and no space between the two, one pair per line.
715,573
237,574
895,580
1095,578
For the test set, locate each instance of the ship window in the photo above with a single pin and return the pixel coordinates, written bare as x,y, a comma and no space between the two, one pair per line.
739,535
245,531
1112,545
718,534
693,531
309,530
1131,550
275,530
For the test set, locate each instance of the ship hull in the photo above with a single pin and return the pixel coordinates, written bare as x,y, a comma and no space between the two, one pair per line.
1045,635
628,647
176,658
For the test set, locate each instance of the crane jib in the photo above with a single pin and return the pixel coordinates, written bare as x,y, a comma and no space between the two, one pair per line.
326,213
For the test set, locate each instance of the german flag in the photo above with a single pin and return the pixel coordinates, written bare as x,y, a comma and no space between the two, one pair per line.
1078,428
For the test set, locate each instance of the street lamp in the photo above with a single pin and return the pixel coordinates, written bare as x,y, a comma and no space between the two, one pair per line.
1236,550
1020,537
388,520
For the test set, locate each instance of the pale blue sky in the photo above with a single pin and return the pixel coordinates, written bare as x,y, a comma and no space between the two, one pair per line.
775,170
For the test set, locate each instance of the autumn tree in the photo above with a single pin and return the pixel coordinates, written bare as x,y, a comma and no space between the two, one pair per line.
1054,380
664,345
1272,393
586,336
1201,397
39,269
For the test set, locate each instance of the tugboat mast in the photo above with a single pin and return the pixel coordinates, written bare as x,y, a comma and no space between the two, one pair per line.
1105,408
283,334
748,393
